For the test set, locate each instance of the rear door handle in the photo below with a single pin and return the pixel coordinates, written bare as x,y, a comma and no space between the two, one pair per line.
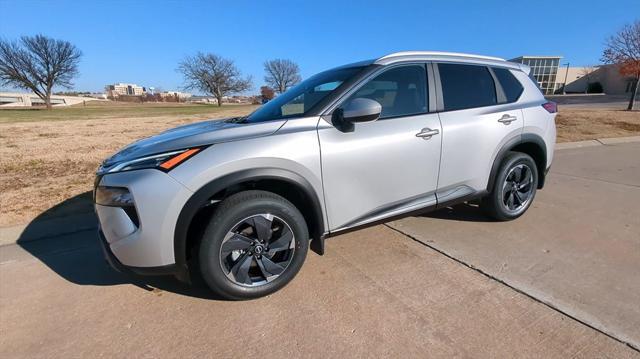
427,133
507,119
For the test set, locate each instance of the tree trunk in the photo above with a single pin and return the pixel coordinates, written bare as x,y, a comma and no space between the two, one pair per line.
219,98
47,101
632,100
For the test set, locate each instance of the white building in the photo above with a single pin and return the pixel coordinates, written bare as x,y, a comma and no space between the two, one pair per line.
21,99
124,89
609,77
178,94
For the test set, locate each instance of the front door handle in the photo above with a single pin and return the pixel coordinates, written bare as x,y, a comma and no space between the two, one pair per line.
507,119
427,133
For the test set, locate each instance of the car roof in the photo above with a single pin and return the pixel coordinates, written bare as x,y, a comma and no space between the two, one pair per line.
406,56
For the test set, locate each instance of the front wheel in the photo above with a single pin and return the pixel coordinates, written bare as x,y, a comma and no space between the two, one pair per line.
514,188
255,243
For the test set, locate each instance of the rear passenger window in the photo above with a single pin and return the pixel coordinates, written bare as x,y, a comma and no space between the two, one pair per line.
466,86
402,91
510,85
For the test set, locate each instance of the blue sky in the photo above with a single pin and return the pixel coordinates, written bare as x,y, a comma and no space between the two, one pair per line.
142,42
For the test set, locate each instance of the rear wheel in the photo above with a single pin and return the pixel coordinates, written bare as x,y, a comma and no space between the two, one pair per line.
255,243
514,188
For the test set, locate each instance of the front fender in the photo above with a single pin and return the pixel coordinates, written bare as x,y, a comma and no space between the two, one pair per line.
201,197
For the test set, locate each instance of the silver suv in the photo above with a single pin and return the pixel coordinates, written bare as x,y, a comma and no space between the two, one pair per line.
242,199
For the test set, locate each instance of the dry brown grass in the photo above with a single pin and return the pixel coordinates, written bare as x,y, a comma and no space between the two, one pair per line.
579,124
46,162
43,163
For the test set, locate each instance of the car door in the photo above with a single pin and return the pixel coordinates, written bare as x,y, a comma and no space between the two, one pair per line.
389,166
477,121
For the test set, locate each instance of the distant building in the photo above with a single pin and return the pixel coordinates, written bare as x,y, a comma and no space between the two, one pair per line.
21,99
579,78
203,99
178,94
98,95
237,99
544,69
123,89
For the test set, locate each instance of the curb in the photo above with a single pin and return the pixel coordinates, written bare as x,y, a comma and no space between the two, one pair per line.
597,142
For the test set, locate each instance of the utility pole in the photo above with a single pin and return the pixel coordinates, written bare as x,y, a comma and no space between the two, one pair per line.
564,87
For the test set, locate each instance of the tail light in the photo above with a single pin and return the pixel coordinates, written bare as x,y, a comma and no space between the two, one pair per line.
550,106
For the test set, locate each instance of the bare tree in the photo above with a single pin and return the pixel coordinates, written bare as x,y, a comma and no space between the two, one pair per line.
38,63
213,75
623,48
281,74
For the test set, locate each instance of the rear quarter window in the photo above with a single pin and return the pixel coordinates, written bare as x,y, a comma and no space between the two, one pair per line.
466,86
510,85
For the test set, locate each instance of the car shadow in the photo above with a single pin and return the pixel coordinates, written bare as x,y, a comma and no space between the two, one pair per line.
65,239
464,212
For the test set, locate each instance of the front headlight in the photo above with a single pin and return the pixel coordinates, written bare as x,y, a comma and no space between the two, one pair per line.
162,161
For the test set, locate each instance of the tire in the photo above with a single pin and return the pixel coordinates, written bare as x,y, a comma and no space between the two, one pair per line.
511,196
244,252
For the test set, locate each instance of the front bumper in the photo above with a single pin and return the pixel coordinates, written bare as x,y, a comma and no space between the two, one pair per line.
144,244
113,261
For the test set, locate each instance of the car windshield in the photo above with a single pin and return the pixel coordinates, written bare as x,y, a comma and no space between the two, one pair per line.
298,100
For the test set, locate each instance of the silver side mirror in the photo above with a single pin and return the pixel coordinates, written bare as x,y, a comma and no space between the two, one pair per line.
362,110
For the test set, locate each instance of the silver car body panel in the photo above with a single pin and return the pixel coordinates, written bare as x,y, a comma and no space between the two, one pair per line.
193,135
158,200
377,165
381,169
471,140
294,147
537,120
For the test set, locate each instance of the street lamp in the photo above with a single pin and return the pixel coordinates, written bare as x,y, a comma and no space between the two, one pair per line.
564,87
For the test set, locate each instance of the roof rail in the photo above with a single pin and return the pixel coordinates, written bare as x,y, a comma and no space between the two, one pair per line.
438,53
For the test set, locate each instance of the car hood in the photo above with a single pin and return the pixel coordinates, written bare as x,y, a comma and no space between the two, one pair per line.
194,135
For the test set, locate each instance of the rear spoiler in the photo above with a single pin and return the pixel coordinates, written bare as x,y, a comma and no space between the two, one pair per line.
526,69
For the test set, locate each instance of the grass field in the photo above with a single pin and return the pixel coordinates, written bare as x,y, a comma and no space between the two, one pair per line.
106,110
47,157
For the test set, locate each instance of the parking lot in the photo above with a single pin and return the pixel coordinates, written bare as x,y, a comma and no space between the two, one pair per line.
562,281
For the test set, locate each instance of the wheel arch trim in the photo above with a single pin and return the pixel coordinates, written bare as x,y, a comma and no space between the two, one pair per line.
200,197
526,138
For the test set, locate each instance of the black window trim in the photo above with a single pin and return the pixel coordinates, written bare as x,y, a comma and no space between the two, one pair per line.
495,78
440,107
354,88
501,97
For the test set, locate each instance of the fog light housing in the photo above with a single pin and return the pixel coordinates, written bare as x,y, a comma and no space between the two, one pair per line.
118,197
114,196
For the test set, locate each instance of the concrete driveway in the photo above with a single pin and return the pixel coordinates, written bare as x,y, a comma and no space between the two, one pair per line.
563,281
577,248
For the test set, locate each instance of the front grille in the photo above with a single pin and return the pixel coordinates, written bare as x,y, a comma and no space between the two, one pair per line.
133,215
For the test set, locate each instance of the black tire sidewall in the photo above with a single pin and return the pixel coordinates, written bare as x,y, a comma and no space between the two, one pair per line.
228,214
512,159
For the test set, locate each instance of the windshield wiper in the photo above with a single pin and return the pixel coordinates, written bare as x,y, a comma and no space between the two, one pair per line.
242,119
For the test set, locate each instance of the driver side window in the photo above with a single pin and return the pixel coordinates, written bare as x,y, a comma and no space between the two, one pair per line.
401,91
